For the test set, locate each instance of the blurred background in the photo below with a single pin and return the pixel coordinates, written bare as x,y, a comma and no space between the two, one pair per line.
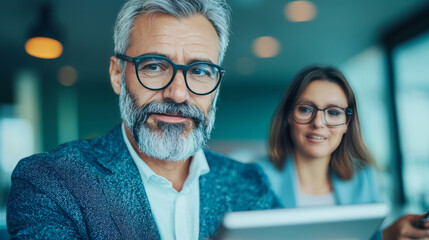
382,46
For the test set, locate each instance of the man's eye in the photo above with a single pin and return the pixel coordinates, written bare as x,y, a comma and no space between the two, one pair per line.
152,67
155,67
202,71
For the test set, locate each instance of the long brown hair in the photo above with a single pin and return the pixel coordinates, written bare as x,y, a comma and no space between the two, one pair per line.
350,155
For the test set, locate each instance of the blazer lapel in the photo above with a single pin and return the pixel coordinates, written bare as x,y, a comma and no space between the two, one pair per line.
213,203
124,190
343,190
288,180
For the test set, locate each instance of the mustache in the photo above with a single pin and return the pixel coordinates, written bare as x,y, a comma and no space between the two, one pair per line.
167,107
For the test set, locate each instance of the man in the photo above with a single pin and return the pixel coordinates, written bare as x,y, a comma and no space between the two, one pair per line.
149,177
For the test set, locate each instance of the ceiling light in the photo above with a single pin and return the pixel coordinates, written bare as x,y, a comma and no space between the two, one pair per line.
67,75
44,39
266,47
300,11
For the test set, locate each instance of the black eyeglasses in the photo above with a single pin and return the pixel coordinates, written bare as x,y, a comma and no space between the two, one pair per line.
333,115
156,72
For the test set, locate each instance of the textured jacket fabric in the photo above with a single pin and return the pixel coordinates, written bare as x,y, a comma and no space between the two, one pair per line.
91,189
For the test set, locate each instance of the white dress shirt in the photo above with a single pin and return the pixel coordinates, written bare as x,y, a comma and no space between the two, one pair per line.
176,213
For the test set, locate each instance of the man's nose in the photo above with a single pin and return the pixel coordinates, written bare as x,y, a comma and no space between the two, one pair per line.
318,120
177,90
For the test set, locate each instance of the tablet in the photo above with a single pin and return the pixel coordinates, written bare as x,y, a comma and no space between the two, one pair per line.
347,222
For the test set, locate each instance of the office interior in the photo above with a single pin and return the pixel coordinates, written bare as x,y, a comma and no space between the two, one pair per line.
382,46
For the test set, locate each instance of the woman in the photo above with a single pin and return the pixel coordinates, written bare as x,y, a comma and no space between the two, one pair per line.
317,156
315,144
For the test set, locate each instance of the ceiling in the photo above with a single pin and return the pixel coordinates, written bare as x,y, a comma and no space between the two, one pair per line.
341,29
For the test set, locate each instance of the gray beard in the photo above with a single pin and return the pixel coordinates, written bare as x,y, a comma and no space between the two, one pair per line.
166,141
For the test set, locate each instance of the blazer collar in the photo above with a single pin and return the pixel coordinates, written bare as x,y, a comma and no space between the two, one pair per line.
213,203
124,190
288,180
342,189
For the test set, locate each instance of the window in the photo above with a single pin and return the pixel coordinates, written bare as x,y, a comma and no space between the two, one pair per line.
411,71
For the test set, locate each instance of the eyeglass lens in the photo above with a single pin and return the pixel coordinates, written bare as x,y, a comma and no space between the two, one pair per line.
333,115
156,73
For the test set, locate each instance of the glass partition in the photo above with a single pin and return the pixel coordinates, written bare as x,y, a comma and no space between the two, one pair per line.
411,71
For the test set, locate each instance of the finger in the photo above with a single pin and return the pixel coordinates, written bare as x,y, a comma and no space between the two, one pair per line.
417,233
413,220
426,224
423,222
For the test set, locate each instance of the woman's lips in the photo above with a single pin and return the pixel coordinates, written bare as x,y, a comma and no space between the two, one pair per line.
315,138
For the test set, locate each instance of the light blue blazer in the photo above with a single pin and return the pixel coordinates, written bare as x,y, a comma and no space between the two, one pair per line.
361,189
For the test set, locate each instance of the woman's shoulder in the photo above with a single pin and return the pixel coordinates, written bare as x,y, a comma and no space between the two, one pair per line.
275,176
362,176
366,173
267,166
361,188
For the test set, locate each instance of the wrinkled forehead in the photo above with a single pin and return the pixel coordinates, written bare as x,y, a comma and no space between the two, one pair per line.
193,35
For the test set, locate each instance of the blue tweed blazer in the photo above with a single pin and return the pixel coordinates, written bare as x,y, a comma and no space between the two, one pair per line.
91,189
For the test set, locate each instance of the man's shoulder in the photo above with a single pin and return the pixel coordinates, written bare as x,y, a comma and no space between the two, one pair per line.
74,153
221,163
243,186
63,155
226,169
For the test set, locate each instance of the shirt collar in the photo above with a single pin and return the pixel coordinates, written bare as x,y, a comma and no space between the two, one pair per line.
198,166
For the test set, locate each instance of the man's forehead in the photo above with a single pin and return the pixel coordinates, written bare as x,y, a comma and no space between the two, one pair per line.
192,37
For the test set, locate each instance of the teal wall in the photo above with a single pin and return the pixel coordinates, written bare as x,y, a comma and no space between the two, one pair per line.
245,112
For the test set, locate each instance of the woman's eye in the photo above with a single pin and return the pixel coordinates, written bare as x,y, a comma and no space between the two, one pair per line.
304,109
334,112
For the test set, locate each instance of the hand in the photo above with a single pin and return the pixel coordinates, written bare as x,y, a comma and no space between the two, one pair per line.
404,229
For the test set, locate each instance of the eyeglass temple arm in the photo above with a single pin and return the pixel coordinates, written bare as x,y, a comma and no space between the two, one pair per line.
348,111
125,57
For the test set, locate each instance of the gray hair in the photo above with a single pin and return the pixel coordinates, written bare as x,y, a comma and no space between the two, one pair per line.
216,11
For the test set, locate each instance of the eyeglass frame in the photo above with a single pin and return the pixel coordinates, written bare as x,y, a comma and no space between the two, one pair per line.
184,68
348,111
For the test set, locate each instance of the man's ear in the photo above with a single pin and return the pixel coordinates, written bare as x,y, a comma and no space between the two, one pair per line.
115,75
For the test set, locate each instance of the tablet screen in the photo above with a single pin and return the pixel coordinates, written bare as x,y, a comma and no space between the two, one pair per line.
357,222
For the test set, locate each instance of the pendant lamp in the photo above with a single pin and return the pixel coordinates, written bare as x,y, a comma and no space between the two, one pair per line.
44,41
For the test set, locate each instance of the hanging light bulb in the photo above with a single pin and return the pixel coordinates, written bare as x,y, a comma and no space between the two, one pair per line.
44,39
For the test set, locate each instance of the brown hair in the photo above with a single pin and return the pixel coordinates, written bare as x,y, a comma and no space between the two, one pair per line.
350,155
